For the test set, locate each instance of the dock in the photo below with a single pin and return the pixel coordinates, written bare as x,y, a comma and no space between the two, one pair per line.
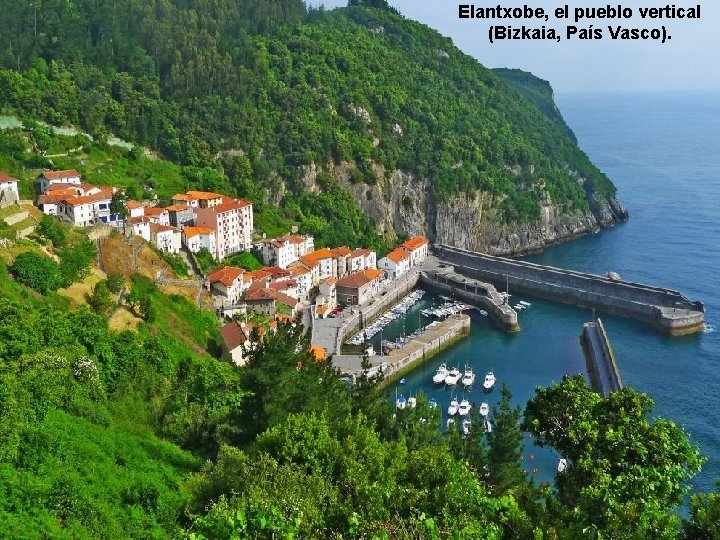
667,310
413,353
600,359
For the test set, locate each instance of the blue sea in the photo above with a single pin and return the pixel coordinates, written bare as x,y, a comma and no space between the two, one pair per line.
663,154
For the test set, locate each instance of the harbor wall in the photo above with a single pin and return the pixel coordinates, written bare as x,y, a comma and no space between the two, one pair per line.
600,359
669,311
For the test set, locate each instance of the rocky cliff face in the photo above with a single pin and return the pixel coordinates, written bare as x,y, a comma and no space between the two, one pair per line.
404,205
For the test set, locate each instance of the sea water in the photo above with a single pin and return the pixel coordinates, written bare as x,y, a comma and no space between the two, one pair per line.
663,154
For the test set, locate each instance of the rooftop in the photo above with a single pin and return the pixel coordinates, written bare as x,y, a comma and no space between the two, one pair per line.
5,178
190,232
226,275
58,175
416,242
397,255
358,279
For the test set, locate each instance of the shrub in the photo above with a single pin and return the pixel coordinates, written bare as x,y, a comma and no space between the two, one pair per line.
36,271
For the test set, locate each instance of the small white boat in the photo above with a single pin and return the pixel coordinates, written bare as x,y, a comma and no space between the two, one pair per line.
440,374
489,381
450,422
524,303
453,407
466,426
453,377
464,408
412,402
488,426
518,307
468,377
562,465
483,313
484,409
400,402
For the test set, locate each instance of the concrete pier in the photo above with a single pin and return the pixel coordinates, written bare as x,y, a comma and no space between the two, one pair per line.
600,359
668,311
414,352
475,292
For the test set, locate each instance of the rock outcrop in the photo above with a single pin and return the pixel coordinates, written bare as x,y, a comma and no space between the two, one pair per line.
402,204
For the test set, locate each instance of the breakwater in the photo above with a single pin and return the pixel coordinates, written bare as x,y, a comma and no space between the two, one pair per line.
600,359
472,291
668,311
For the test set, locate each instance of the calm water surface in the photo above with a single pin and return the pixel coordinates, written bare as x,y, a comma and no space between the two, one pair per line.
663,154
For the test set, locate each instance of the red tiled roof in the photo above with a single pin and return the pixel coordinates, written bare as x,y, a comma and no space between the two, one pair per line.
416,242
226,275
88,199
54,198
283,285
342,251
189,232
358,279
157,228
266,294
397,255
132,205
57,175
228,206
234,335
203,195
178,208
154,211
329,281
5,178
138,219
311,259
59,186
360,252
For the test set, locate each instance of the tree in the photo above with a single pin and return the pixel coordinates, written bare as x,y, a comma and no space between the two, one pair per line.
36,271
625,471
75,262
100,301
506,445
117,204
115,283
148,311
50,228
704,522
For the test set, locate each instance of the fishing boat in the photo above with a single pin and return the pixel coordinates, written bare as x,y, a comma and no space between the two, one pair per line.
468,377
466,426
484,409
412,402
453,407
489,381
440,374
464,408
453,377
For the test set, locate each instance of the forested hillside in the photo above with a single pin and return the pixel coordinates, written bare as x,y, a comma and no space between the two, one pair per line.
259,88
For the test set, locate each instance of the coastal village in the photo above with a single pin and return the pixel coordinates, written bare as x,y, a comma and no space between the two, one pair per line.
296,277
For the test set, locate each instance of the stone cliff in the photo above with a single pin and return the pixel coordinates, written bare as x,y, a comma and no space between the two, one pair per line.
401,204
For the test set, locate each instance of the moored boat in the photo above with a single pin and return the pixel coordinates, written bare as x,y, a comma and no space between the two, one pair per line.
484,409
412,402
453,377
453,407
468,377
562,465
440,374
466,426
489,381
400,402
464,408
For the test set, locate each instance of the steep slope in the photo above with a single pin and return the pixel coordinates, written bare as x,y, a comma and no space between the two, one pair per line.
425,138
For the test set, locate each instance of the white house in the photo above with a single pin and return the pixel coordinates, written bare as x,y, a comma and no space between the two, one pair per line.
362,259
278,252
135,208
228,283
88,210
58,177
140,226
417,247
165,237
236,341
157,215
324,261
396,263
233,223
196,238
8,189
303,278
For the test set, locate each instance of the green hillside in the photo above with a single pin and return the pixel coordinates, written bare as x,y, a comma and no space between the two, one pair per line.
276,87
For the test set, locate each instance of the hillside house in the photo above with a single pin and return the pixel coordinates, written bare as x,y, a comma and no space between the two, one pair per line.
396,263
359,288
233,224
54,177
228,284
165,237
9,192
197,238
417,247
